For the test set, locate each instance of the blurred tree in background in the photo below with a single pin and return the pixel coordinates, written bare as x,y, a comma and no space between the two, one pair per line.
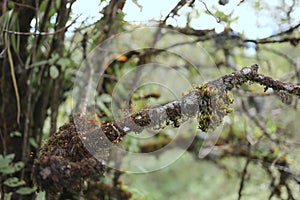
42,47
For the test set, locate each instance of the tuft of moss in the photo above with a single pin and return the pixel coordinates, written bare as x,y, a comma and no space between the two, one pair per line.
214,104
66,160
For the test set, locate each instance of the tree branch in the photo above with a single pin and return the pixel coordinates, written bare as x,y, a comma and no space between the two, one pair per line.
65,154
208,102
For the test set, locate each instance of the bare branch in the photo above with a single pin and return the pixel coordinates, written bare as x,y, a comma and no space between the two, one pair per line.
42,33
175,10
293,40
244,173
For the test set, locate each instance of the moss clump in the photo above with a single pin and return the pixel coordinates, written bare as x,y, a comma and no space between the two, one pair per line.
66,160
214,102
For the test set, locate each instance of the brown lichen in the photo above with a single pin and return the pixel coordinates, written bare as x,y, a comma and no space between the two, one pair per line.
113,132
141,119
174,114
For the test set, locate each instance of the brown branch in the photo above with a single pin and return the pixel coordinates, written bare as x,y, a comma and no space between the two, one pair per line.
191,31
65,154
288,31
293,40
209,12
208,102
244,173
174,11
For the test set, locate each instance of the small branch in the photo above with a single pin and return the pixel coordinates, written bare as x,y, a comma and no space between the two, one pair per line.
216,18
175,10
293,40
244,173
288,31
42,33
191,31
268,82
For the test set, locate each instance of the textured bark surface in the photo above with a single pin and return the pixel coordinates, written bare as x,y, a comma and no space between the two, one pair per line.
65,153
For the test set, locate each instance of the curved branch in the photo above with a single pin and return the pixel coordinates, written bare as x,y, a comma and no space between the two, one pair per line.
65,154
208,102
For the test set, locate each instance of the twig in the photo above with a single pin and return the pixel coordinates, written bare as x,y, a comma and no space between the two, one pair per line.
175,10
3,143
216,18
292,40
288,31
268,82
42,33
244,172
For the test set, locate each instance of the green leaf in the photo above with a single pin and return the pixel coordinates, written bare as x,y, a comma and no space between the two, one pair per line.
10,157
54,58
54,73
7,170
6,160
43,6
220,14
257,5
64,62
6,166
26,190
103,108
18,166
15,134
14,182
41,196
39,63
257,132
57,4
10,5
271,126
32,142
106,98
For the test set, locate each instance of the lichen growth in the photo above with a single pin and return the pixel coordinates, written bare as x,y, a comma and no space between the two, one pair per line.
214,102
174,115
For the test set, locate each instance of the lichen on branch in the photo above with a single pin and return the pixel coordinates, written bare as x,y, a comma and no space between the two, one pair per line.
65,153
209,102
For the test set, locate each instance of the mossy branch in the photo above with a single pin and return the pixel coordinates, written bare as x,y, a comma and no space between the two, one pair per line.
64,160
208,102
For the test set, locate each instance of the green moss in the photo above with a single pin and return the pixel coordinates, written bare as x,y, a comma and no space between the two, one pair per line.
214,104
